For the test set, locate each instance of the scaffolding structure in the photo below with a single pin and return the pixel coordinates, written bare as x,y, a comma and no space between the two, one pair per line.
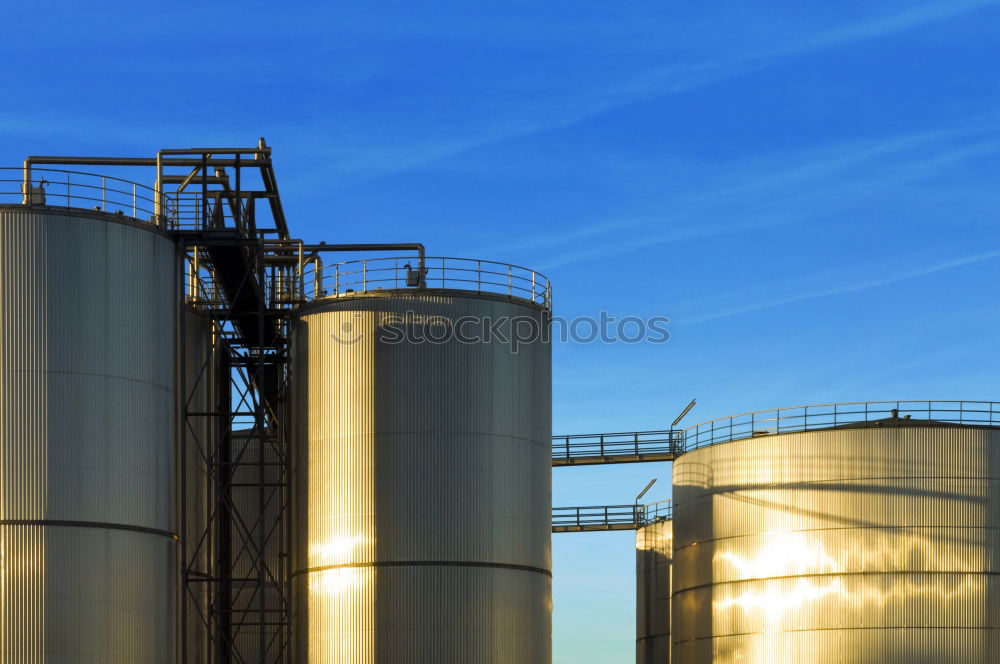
233,490
240,276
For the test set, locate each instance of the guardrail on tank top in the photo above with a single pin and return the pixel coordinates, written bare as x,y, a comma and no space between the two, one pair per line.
76,190
396,273
59,188
848,414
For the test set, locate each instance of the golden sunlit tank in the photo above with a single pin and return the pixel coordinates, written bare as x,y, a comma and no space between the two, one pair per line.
422,473
870,541
653,553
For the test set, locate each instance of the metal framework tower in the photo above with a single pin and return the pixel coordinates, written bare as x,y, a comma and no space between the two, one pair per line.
243,276
234,546
236,277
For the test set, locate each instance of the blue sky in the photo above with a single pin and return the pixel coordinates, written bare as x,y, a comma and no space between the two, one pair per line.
808,190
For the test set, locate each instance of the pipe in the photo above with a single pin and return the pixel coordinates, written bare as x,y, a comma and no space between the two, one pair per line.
131,161
315,248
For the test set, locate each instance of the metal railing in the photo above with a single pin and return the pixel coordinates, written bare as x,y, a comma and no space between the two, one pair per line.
186,210
468,274
596,517
661,510
59,188
610,517
77,190
667,444
824,416
637,445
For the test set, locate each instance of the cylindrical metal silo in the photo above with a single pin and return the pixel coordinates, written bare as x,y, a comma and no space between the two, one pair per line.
653,555
877,542
422,476
201,376
88,557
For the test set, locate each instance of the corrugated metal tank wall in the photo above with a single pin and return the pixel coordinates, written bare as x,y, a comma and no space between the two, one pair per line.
87,333
653,555
850,545
200,377
422,474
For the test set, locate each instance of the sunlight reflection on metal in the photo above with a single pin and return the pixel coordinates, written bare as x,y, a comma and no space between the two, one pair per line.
334,551
853,545
423,500
333,581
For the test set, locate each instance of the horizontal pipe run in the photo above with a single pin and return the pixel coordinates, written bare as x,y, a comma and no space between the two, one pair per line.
137,161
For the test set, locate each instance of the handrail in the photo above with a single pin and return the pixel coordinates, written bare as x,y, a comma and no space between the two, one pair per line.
610,517
439,272
666,444
66,189
661,510
829,415
620,445
596,516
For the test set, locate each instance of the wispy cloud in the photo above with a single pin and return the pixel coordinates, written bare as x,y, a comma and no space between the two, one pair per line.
409,133
777,190
908,18
544,112
843,290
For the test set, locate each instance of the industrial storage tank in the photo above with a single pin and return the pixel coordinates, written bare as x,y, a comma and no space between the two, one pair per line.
88,557
201,375
422,471
867,541
654,544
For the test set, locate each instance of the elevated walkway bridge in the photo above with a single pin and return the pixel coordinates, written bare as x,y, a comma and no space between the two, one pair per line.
598,518
625,447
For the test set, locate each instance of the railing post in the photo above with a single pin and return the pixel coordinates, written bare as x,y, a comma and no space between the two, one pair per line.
26,186
317,278
510,282
193,276
336,279
567,448
302,275
364,275
158,190
104,193
602,444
